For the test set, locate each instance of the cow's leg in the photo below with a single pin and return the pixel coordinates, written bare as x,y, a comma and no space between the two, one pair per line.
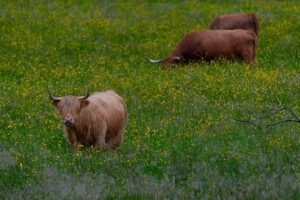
71,138
100,137
254,51
118,140
247,55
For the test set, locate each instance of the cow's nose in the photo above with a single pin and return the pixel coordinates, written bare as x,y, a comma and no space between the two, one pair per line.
68,120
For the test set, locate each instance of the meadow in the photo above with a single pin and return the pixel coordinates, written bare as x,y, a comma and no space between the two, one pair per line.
185,137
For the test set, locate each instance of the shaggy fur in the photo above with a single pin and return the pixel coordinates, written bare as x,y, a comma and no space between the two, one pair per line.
247,21
213,44
99,120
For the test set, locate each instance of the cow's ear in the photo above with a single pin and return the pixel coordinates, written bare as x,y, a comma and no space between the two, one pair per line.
84,103
55,103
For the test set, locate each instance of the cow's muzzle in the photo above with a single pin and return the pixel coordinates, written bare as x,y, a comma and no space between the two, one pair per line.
69,121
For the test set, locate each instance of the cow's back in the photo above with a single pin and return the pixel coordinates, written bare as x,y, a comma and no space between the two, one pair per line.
247,21
211,44
106,98
109,101
112,108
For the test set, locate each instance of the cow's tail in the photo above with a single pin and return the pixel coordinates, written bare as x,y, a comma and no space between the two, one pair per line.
255,23
254,46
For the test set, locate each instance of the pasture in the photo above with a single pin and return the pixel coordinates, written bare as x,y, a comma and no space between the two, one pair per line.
197,131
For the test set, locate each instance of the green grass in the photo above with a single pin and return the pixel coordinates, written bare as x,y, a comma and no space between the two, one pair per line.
180,142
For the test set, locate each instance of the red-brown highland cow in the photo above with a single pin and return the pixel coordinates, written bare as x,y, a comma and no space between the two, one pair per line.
209,45
98,119
246,21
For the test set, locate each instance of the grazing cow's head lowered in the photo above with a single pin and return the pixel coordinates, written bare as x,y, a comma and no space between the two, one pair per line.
167,62
69,107
207,45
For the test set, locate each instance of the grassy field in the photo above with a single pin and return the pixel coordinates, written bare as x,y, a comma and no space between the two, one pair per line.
181,141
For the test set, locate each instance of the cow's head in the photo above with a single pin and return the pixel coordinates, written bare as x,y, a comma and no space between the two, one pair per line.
69,107
167,62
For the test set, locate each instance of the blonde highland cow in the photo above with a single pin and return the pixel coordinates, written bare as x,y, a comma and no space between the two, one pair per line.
98,119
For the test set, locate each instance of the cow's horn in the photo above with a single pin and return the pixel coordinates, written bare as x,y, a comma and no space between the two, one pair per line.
87,94
52,97
176,58
154,61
